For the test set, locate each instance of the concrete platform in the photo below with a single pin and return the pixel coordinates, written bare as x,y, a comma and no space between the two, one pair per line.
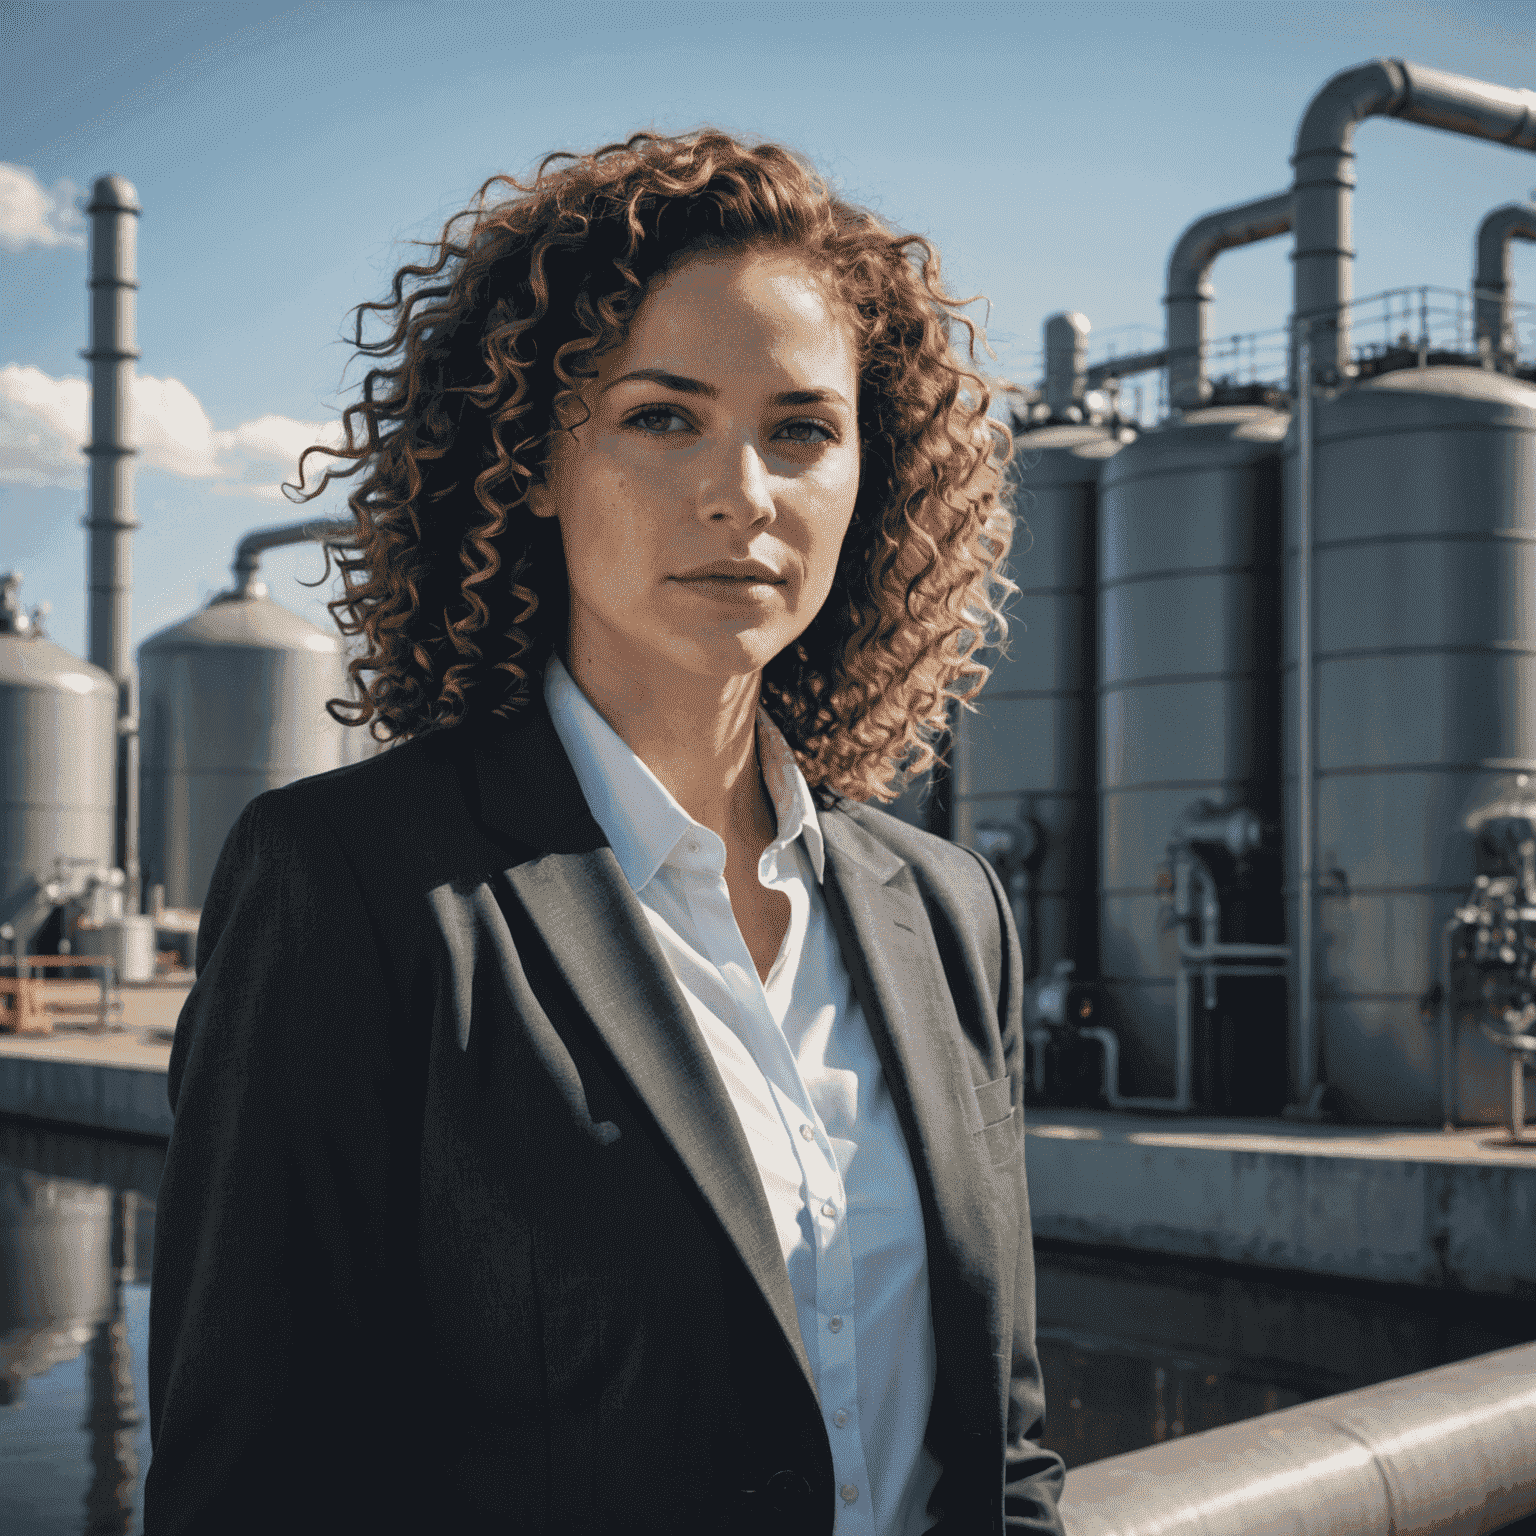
1398,1205
110,1081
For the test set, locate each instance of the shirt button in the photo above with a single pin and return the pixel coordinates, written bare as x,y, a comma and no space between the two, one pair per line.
835,1324
849,1493
840,1417
828,1209
808,1133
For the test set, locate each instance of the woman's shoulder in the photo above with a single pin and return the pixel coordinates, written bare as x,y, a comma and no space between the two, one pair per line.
937,861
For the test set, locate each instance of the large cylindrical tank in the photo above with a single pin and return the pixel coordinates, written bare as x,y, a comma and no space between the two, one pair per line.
1424,669
1029,751
232,702
58,760
1188,582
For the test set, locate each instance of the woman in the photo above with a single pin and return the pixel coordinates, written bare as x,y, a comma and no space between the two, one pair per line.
589,1115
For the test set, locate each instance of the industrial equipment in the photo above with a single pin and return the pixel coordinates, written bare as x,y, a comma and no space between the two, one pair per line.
1027,754
1189,707
233,703
1489,972
1423,669
58,745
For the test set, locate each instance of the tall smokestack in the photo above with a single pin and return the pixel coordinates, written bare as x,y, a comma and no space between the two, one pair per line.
114,211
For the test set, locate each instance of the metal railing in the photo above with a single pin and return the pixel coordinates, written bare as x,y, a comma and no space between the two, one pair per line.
1431,323
1447,1451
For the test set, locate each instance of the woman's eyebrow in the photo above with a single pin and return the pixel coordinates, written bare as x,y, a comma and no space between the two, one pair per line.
686,386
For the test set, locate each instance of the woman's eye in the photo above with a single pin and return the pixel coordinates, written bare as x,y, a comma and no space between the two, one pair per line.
799,427
656,419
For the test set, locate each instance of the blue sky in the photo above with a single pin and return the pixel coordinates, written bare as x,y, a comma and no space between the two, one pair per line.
286,155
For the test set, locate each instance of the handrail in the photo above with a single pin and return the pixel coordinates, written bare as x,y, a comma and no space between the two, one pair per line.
1446,1451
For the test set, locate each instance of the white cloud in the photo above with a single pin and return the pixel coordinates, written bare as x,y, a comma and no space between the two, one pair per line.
44,424
34,215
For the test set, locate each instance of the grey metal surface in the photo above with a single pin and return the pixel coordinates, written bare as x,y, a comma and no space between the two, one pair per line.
1493,282
1325,178
1188,688
1066,362
58,747
1424,680
114,212
1190,291
1445,1452
233,704
1029,751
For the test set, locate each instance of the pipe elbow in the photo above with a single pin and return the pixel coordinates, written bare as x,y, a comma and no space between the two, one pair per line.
1376,89
1196,250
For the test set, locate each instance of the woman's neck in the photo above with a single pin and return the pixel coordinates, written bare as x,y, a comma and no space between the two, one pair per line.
698,735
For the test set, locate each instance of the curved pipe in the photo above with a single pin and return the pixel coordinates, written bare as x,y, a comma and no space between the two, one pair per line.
1446,1451
250,549
1492,289
1189,284
1325,179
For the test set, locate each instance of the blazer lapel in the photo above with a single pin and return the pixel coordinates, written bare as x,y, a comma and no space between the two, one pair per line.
575,894
898,976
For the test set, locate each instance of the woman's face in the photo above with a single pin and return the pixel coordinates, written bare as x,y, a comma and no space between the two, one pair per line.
703,504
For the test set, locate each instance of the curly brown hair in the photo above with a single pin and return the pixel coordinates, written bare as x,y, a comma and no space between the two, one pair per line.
460,592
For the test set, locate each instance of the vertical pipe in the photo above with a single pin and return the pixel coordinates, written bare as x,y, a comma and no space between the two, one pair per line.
1306,992
1492,289
1190,292
113,284
1066,362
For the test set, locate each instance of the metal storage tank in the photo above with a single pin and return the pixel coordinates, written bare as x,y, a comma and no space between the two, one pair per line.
58,758
1424,690
232,703
1189,653
1029,750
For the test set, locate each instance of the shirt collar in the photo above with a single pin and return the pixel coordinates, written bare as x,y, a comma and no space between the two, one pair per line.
641,820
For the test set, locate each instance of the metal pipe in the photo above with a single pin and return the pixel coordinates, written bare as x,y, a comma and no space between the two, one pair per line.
1446,1451
1493,290
1125,367
1447,1029
250,549
113,284
1306,818
1189,285
1066,361
1325,179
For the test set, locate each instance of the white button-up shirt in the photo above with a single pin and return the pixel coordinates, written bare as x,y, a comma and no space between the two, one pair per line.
798,1062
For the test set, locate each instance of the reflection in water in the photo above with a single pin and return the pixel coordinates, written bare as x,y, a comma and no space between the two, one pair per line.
113,1416
1138,1350
76,1228
1134,1350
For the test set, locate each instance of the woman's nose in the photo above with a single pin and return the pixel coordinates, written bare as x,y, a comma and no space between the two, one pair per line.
737,490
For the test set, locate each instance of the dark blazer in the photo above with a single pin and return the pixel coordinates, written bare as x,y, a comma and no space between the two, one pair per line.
459,1230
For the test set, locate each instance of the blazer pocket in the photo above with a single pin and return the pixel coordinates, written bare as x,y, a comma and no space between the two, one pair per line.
999,1118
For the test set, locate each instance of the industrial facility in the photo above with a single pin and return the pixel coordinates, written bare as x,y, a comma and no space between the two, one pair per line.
1255,768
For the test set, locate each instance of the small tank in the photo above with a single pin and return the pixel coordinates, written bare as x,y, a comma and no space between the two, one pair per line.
232,702
1189,724
1424,687
1028,752
58,762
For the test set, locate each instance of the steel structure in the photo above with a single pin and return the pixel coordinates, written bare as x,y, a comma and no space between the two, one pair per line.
234,704
114,212
58,737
